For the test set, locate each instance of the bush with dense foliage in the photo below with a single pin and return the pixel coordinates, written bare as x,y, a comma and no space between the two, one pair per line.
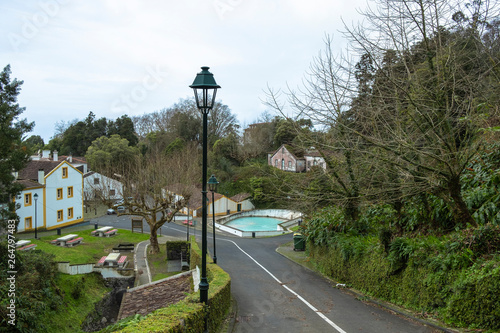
35,288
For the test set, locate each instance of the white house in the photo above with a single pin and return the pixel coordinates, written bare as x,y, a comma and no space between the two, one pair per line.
55,189
222,204
96,185
243,202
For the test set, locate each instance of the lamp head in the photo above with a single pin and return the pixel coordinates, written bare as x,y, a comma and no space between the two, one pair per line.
212,183
205,89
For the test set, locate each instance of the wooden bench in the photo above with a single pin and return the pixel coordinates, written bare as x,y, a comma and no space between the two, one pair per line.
55,241
27,247
110,233
101,261
123,261
74,241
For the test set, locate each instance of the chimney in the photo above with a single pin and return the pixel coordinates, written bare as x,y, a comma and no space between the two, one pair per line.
56,156
45,154
15,174
41,176
70,158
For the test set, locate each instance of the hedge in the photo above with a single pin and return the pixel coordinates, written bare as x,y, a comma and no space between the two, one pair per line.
188,315
463,296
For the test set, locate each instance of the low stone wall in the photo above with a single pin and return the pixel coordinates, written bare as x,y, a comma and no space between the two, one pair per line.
65,267
106,272
242,233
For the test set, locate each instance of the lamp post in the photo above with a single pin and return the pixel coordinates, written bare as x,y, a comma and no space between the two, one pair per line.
212,186
187,225
36,199
205,89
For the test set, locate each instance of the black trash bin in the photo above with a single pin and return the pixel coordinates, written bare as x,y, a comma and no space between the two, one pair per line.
299,242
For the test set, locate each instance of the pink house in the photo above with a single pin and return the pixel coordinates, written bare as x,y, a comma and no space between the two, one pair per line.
285,160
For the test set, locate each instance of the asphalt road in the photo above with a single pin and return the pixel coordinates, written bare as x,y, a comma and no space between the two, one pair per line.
274,294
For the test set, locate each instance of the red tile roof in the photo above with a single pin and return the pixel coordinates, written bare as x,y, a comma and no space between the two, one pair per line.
31,170
240,197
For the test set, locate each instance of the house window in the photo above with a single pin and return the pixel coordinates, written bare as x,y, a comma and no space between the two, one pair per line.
59,193
309,163
70,213
27,223
282,164
276,162
59,215
27,199
315,162
96,181
70,191
289,164
283,150
112,192
65,172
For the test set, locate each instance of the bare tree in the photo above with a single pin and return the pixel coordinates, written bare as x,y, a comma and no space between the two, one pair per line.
411,114
146,187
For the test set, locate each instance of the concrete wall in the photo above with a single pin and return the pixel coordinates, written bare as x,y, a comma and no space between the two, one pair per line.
65,267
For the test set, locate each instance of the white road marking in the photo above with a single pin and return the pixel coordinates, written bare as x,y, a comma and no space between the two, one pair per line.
325,318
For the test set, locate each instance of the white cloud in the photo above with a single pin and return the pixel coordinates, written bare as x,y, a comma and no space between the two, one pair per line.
81,56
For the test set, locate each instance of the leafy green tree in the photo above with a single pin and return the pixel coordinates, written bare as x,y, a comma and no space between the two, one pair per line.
35,289
110,155
175,146
124,127
34,143
13,154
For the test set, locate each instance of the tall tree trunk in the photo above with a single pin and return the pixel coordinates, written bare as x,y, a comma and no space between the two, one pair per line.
154,247
461,213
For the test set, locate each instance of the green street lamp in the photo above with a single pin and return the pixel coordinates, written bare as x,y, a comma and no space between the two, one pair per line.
205,89
212,186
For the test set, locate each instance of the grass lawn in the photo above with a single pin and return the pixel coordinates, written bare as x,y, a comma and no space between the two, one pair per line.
92,248
158,265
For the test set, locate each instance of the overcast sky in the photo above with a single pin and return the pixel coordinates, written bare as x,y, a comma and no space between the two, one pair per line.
116,57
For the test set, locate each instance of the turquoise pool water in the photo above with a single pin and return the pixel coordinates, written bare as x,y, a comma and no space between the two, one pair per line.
254,223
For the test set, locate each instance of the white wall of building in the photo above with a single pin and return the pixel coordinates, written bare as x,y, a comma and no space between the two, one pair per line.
26,211
111,188
54,203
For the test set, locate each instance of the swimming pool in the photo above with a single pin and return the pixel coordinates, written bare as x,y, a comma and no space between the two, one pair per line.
255,223
259,222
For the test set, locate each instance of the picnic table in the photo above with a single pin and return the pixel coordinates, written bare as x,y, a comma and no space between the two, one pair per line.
112,260
22,243
101,231
64,239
